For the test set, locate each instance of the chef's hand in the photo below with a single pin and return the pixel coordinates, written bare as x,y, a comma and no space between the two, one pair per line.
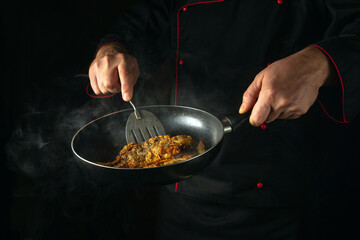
287,88
114,71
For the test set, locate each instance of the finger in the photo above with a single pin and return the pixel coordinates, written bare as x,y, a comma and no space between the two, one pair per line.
291,115
127,80
108,81
285,115
272,116
96,78
294,116
111,81
260,112
251,94
101,86
93,82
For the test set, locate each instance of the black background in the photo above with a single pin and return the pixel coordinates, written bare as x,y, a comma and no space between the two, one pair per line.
44,47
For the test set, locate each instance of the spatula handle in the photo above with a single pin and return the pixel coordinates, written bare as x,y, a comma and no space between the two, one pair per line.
136,112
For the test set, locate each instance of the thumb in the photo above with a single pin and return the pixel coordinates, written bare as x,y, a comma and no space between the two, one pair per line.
127,80
251,94
128,74
127,91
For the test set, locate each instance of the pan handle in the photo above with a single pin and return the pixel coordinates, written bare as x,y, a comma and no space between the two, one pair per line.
234,122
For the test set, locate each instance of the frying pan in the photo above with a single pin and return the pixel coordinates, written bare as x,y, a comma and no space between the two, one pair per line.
101,140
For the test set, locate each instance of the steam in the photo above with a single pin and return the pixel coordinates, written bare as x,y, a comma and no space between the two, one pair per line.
39,151
39,147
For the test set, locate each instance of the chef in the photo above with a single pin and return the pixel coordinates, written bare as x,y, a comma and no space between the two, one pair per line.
289,62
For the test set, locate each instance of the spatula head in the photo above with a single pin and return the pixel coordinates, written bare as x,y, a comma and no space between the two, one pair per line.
140,130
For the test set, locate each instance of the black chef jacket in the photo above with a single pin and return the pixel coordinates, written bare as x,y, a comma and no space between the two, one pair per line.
217,48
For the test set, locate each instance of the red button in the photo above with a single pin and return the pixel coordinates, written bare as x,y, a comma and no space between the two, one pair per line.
259,185
263,126
280,1
181,62
184,9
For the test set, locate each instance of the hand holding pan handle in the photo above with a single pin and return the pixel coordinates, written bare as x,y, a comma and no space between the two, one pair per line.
234,122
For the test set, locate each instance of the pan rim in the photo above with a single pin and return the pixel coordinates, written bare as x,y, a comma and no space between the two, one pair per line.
145,107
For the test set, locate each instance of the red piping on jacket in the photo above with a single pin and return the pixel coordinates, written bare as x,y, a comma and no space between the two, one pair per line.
342,88
177,40
177,48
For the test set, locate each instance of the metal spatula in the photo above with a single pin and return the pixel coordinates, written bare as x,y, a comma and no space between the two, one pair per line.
142,125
